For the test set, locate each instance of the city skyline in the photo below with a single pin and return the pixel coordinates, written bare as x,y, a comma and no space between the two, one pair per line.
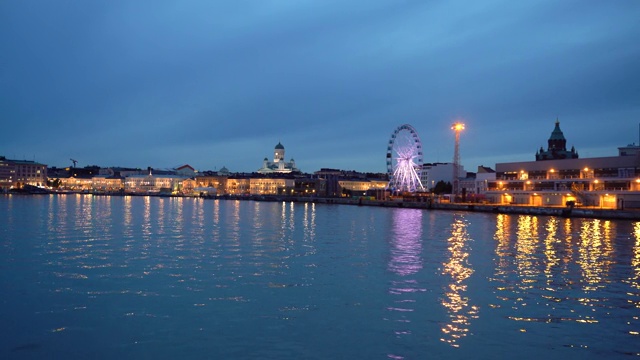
217,84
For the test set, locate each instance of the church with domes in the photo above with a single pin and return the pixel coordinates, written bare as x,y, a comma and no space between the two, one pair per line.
557,147
278,165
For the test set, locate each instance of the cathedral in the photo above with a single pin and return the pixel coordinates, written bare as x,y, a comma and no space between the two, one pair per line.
557,147
278,165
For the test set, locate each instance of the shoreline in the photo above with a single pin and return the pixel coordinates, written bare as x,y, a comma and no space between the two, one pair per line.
567,212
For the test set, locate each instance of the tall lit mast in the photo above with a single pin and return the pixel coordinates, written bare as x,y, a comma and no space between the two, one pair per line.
457,128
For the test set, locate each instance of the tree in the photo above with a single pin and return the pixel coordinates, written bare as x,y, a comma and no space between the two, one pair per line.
442,188
54,183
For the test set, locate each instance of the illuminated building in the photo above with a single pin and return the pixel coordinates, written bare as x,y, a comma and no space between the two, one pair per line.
271,186
107,184
83,183
213,181
605,182
15,174
278,165
360,186
153,184
238,185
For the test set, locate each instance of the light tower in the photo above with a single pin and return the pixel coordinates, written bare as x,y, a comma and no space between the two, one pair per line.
457,127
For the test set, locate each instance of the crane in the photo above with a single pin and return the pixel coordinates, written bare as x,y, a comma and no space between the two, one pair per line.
75,162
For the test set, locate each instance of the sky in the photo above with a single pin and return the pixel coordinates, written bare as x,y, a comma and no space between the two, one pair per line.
219,83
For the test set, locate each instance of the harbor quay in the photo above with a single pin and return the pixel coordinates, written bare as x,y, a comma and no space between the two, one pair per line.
430,204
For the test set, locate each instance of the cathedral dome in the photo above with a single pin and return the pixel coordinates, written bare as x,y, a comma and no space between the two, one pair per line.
557,133
279,146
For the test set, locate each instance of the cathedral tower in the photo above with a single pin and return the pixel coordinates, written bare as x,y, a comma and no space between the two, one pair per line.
278,153
556,147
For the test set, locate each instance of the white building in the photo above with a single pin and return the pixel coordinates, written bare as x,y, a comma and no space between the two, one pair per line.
483,177
278,165
435,172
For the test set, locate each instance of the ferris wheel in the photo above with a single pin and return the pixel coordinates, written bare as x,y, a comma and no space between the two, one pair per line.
404,160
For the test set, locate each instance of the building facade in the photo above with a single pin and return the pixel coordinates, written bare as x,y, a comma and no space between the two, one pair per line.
360,186
213,181
107,184
271,186
15,174
605,182
238,185
432,173
154,184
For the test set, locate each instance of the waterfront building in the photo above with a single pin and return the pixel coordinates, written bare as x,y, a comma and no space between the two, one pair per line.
606,182
271,186
238,185
80,183
278,165
15,174
353,187
86,179
474,186
188,187
107,184
331,177
212,181
484,175
340,183
432,173
310,186
153,184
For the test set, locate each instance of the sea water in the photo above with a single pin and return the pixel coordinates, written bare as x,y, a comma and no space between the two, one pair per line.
103,277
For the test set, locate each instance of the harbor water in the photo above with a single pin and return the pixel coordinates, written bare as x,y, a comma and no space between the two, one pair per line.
126,277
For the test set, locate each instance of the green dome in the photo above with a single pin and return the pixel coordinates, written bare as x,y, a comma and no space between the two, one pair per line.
279,146
557,134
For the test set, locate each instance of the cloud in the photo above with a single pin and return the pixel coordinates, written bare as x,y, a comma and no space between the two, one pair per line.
156,84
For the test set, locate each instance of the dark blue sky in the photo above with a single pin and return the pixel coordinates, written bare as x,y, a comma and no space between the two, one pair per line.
220,83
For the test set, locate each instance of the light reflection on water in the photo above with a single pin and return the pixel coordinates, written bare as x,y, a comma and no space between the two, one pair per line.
176,277
406,261
634,278
574,274
456,301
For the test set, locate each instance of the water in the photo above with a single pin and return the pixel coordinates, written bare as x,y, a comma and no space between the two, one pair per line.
165,278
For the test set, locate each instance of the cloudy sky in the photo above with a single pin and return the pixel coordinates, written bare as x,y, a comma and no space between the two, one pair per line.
220,83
